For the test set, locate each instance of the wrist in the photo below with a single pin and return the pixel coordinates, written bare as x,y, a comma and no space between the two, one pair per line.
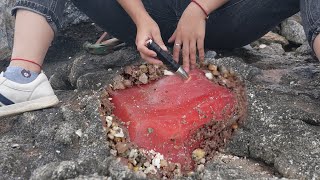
196,10
202,7
141,18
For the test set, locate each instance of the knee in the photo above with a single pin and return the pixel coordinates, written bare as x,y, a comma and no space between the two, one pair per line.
316,46
310,14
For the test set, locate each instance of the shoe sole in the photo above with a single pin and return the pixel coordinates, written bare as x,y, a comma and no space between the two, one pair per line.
27,106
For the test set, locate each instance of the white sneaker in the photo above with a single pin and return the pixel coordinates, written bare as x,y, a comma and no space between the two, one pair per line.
17,98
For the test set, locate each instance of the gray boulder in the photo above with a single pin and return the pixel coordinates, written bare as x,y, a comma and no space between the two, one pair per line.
293,31
6,28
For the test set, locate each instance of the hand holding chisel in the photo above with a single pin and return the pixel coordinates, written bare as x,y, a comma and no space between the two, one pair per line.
167,59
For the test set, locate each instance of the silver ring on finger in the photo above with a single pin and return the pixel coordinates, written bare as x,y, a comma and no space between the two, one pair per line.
177,44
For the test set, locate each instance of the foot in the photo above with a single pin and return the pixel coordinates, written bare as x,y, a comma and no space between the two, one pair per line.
17,98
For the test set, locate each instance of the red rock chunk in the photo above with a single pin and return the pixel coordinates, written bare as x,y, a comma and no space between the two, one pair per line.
165,114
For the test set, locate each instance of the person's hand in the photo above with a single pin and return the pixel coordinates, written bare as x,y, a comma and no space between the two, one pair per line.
189,35
149,29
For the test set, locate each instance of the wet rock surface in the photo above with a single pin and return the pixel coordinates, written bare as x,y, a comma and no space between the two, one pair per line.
280,138
6,28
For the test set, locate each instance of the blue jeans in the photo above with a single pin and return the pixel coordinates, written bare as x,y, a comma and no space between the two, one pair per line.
233,25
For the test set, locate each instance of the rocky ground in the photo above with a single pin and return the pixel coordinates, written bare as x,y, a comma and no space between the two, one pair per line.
280,138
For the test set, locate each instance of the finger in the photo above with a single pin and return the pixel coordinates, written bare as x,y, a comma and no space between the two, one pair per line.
185,55
176,50
200,46
151,60
193,53
144,50
158,39
172,38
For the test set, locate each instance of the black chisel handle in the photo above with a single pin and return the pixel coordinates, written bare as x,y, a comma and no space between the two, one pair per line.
164,56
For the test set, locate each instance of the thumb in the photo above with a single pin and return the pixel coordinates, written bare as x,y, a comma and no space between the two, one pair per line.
157,38
172,38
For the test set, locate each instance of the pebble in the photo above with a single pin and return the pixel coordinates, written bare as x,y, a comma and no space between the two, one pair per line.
200,167
210,54
127,83
143,68
223,70
79,132
121,147
109,120
203,160
136,168
262,46
15,146
198,154
209,75
212,67
143,78
150,130
146,164
118,132
133,153
156,160
113,152
163,163
110,136
151,169
191,173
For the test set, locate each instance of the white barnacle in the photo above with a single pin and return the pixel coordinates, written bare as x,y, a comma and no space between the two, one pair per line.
209,75
118,132
109,120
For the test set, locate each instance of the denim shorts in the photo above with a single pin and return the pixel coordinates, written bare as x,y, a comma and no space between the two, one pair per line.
235,24
52,10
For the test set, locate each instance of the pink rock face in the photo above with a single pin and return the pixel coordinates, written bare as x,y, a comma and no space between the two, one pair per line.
165,115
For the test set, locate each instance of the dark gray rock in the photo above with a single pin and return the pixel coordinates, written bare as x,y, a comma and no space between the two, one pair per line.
47,141
210,54
6,28
87,71
44,172
72,16
65,170
237,65
273,48
96,80
293,31
304,49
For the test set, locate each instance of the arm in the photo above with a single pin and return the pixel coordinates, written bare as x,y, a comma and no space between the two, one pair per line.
190,31
135,9
146,28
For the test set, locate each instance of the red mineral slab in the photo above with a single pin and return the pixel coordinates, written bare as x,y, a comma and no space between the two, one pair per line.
164,115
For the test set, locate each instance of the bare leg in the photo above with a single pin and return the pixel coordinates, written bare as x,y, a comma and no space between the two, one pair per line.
316,46
32,38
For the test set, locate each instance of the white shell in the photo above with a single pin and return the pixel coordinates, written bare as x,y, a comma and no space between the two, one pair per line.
209,75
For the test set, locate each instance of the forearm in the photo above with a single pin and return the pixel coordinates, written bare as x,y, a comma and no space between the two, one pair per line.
135,9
